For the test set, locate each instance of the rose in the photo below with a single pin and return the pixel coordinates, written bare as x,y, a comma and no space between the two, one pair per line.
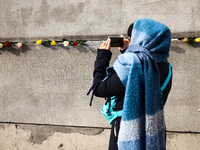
1,45
19,45
75,43
7,44
39,42
66,43
53,43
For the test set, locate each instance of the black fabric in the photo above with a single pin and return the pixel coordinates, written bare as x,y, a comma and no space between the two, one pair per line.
114,134
114,87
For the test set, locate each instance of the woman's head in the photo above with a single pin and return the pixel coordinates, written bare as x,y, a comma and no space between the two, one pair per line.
151,35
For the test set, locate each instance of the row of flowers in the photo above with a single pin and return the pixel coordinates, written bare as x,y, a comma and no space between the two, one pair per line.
40,42
79,42
188,40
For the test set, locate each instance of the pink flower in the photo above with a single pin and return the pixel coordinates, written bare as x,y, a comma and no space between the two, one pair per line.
19,45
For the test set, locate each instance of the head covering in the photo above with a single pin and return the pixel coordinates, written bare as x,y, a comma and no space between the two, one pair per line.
142,125
153,36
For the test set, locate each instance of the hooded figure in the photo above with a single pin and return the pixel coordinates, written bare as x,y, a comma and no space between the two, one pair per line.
142,125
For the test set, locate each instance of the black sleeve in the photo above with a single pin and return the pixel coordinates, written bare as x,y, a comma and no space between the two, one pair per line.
113,85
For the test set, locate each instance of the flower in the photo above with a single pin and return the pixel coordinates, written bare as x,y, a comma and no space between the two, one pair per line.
75,43
19,45
39,42
53,43
7,44
185,40
1,45
66,43
197,40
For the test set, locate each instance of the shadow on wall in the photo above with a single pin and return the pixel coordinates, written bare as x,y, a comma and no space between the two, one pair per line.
85,47
195,44
177,49
180,50
25,48
16,51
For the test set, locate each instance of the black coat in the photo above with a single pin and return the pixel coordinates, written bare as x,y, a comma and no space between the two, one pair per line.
113,85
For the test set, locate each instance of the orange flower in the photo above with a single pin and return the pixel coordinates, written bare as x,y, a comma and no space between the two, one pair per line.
185,40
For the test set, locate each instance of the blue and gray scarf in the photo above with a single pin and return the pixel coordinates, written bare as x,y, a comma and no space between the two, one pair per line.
142,125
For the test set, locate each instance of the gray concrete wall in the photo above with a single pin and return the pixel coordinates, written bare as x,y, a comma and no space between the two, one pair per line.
183,107
48,85
92,19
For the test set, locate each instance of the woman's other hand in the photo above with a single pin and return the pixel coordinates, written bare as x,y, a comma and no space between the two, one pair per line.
106,44
126,43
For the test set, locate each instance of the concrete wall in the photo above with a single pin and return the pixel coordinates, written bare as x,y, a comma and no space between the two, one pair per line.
43,88
183,107
48,85
92,19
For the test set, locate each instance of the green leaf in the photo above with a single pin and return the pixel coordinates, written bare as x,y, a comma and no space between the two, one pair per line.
64,39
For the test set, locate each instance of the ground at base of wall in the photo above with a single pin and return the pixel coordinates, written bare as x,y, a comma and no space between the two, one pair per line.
43,137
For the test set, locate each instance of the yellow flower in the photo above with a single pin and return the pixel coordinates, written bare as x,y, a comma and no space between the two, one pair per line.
1,45
197,40
66,43
53,43
185,40
39,42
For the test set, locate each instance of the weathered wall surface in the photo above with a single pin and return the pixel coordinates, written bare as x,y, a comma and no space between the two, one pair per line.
33,137
92,19
18,137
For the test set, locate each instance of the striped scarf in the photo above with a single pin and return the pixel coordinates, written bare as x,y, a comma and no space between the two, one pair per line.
142,125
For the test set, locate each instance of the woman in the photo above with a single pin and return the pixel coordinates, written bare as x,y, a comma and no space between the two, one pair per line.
137,86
